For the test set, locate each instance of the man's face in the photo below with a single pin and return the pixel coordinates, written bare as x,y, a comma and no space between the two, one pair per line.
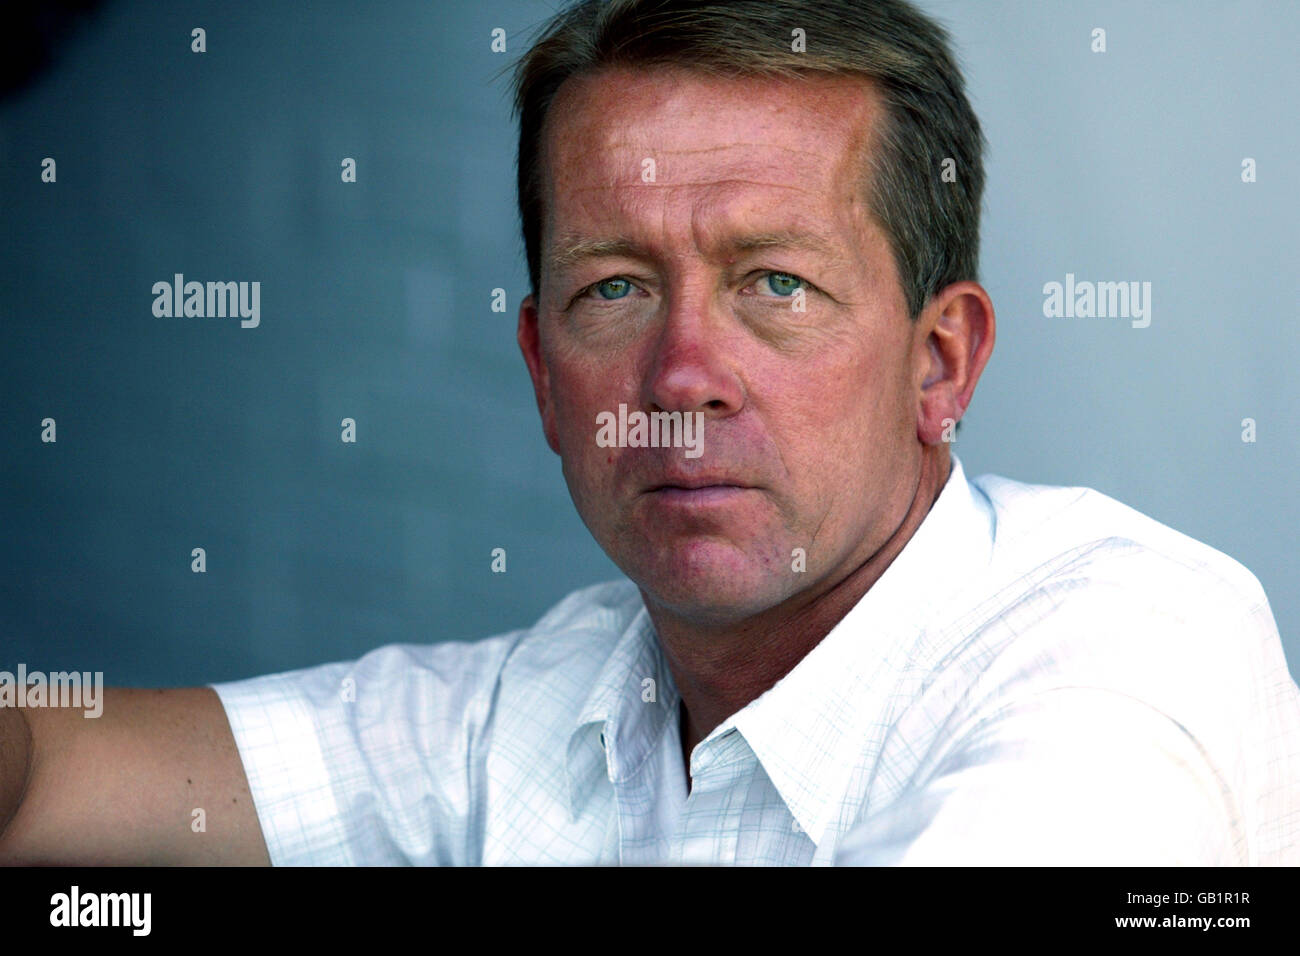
727,196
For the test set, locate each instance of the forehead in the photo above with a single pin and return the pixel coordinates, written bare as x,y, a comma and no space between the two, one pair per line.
626,144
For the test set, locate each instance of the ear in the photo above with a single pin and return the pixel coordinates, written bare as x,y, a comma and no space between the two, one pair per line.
530,344
954,340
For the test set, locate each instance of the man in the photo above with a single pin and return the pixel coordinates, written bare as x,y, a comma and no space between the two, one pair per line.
832,646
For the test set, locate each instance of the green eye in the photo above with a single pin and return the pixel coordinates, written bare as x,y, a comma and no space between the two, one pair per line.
782,283
613,288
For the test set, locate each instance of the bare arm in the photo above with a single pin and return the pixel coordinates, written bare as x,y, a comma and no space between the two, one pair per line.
123,788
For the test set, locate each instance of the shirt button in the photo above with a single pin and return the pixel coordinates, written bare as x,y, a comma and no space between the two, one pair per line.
604,746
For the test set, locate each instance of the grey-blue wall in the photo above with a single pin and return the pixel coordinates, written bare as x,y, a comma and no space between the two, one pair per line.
376,305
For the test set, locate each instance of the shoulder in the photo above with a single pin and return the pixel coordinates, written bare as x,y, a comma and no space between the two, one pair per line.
582,629
1064,537
451,677
604,608
380,760
1085,591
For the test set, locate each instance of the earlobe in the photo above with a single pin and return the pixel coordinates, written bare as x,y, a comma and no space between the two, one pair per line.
938,413
935,392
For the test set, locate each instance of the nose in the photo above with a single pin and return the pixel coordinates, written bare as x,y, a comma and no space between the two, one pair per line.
693,367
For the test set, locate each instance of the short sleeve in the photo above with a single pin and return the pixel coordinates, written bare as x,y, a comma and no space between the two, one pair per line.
371,762
1073,776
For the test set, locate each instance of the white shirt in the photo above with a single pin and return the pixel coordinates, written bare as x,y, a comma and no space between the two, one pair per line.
1043,675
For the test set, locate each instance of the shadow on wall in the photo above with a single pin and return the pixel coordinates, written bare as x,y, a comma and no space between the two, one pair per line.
35,34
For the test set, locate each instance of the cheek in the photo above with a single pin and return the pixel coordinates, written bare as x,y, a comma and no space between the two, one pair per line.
578,394
573,410
853,385
842,421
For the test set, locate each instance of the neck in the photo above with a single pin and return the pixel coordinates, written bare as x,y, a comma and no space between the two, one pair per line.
720,669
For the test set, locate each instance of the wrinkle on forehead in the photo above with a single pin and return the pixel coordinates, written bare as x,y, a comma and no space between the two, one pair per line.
689,184
610,123
604,111
740,161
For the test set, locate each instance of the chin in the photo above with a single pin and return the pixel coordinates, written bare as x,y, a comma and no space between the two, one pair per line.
714,583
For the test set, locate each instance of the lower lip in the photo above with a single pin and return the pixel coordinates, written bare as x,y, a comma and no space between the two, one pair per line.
708,495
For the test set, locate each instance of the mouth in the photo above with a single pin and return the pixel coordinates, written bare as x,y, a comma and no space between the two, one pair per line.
695,485
697,492
681,482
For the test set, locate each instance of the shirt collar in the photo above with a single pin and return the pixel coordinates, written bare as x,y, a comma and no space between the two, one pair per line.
623,716
810,728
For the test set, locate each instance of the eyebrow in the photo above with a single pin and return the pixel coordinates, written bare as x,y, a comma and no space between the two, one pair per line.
583,249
